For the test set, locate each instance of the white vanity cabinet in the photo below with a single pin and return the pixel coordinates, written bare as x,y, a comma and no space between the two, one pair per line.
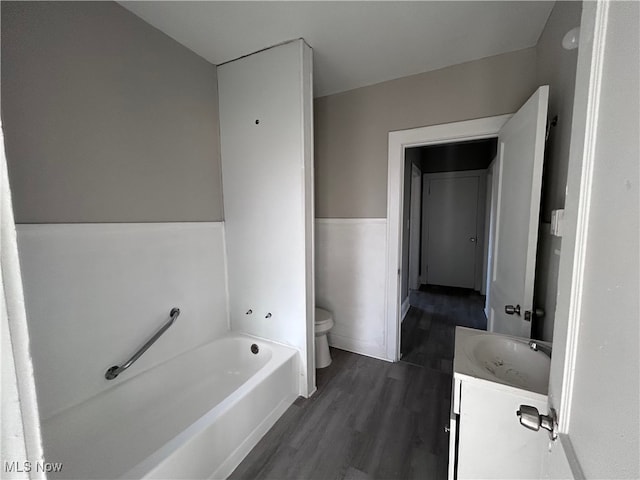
486,438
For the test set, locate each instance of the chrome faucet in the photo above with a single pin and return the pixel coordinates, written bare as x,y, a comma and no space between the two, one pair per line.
533,345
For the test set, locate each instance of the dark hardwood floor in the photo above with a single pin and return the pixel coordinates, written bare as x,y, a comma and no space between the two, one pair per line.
372,419
428,330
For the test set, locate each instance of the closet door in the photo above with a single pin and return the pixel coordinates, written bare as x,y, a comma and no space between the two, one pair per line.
453,239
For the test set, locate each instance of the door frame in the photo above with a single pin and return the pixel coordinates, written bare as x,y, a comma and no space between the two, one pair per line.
399,141
415,225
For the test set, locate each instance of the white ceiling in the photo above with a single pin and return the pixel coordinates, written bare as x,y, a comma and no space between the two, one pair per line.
355,43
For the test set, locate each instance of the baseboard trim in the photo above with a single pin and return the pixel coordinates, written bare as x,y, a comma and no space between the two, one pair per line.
356,346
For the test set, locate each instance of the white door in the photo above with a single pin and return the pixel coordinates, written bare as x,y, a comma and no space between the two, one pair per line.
452,231
594,385
595,368
414,229
518,180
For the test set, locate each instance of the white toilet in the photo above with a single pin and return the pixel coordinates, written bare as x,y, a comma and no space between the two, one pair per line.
324,323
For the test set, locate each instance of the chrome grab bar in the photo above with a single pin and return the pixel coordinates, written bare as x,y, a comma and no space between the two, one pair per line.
116,370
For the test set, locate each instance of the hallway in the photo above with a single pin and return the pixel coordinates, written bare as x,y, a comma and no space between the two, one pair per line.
372,419
428,329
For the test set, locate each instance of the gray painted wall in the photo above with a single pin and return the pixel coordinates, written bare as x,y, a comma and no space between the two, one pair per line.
556,67
351,128
106,119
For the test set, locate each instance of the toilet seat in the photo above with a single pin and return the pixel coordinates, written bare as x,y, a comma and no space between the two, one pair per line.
324,321
322,315
323,327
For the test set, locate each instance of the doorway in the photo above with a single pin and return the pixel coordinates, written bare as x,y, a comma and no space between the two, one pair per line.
399,143
515,208
445,259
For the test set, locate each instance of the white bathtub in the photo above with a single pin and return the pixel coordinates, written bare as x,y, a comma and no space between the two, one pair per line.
195,416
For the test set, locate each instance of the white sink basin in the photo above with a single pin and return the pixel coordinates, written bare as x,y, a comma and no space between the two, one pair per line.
509,361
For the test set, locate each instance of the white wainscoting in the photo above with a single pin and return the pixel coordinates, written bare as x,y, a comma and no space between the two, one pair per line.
96,292
350,282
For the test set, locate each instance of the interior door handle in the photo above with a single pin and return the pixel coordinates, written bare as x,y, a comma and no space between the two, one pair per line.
530,418
510,309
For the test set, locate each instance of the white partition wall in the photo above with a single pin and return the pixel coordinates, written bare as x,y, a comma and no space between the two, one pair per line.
266,146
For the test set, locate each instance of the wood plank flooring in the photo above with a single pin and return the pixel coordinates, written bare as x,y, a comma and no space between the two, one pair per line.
372,419
428,329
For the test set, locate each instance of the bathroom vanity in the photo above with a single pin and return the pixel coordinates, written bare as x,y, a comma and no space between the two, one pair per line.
493,376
